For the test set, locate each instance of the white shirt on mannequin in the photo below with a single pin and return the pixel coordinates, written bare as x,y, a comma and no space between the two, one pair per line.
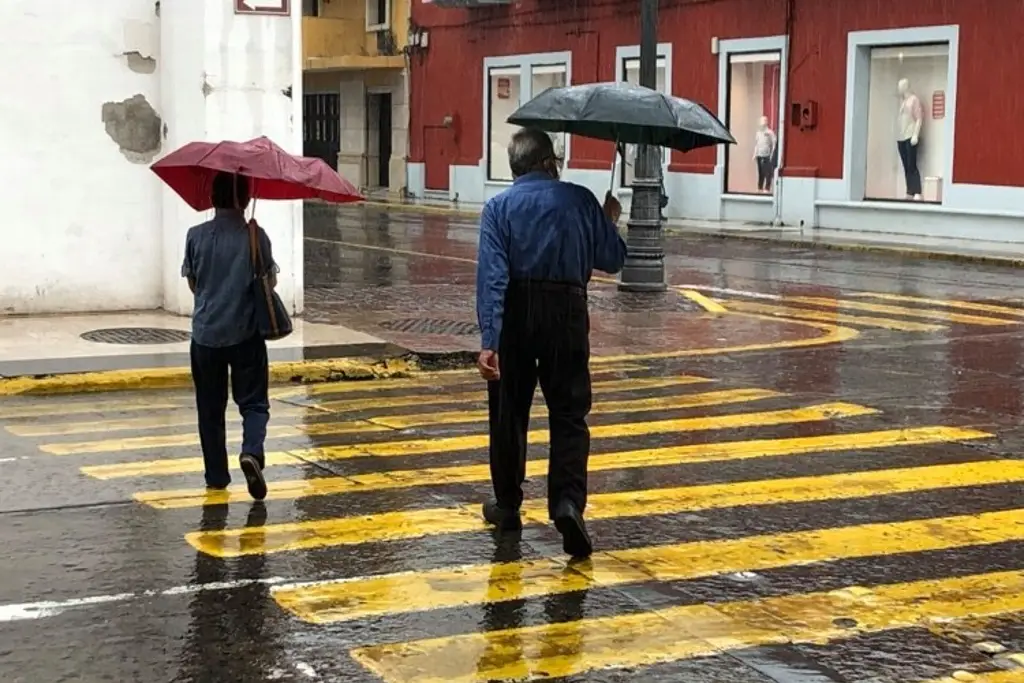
910,114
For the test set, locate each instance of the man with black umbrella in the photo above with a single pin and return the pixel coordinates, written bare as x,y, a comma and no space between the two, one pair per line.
539,242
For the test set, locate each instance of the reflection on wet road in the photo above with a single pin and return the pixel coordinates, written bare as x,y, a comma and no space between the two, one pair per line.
746,532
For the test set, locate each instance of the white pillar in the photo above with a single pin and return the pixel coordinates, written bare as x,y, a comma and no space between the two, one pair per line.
224,76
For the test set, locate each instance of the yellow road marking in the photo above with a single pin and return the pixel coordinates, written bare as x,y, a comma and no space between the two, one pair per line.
161,421
948,303
654,457
986,677
707,303
333,601
899,310
398,422
393,526
478,441
16,409
676,633
808,314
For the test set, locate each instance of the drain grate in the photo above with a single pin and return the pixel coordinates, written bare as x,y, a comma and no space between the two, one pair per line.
430,326
137,335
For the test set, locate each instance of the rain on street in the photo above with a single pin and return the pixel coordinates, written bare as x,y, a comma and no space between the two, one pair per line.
805,467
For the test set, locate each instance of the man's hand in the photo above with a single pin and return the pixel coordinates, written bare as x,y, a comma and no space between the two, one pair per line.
487,364
612,207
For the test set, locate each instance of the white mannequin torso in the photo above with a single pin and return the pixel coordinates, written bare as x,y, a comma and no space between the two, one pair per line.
909,124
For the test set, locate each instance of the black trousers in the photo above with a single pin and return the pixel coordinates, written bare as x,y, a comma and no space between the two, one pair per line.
545,337
250,378
765,171
908,155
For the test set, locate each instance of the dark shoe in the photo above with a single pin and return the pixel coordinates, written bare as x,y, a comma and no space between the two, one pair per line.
569,522
502,518
253,476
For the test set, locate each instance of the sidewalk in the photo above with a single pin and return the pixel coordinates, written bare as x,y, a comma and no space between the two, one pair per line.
995,253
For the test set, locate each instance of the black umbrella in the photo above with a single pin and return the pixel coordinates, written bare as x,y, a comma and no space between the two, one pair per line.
625,114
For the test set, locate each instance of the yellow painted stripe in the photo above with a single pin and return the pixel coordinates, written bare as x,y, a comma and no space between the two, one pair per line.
163,421
398,422
948,303
17,409
899,310
808,314
666,635
707,303
654,457
393,526
463,443
332,601
986,677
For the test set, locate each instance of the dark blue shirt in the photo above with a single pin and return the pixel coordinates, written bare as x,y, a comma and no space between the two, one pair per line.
217,259
540,229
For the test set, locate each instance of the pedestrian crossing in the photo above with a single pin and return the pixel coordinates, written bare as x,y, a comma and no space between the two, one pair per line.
694,478
870,310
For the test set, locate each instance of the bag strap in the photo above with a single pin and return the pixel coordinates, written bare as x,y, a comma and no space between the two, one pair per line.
255,257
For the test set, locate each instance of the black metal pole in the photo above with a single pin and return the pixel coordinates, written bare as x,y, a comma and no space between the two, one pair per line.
644,270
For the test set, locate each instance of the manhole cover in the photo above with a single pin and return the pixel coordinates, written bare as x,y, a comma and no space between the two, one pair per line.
137,335
430,326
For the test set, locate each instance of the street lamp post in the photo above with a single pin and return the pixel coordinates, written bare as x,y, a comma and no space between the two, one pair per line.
644,270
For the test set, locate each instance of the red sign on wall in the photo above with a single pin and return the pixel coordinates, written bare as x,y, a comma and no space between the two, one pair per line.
276,7
504,88
939,104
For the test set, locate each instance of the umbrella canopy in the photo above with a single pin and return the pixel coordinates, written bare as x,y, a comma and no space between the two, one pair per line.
624,113
190,171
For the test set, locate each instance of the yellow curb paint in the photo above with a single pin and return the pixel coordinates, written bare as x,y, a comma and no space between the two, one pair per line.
334,601
165,421
944,316
822,316
676,633
654,457
984,677
166,378
708,304
391,526
451,444
975,306
378,424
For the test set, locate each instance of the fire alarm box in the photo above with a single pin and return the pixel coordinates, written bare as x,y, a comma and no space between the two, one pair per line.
808,115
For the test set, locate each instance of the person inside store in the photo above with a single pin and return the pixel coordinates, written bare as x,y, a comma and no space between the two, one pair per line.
540,241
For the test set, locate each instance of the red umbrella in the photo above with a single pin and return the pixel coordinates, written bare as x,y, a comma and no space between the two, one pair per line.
190,171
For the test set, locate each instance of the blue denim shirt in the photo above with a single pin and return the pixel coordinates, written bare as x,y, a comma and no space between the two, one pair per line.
541,228
217,258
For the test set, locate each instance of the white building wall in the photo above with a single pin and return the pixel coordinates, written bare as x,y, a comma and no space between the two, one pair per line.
78,129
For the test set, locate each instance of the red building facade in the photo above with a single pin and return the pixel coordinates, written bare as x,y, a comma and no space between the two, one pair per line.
885,116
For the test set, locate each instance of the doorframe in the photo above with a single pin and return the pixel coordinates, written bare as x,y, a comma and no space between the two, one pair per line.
370,91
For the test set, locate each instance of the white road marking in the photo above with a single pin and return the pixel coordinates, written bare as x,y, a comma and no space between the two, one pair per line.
306,670
45,608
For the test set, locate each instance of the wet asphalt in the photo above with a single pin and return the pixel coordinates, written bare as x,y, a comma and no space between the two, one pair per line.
880,476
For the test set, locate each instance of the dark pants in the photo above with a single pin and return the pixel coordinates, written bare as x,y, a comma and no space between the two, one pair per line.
765,171
545,337
908,155
249,388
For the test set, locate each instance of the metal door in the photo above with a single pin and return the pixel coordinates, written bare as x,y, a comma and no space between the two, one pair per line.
321,126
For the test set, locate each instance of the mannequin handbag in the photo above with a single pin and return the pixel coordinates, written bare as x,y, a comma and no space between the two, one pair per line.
272,320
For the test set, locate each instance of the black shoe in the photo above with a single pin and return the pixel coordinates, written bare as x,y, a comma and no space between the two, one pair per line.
569,522
502,518
253,476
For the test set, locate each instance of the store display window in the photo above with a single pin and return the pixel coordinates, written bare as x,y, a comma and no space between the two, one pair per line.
504,99
906,123
543,77
752,115
631,74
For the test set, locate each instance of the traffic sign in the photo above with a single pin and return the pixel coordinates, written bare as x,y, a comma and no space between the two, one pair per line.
277,7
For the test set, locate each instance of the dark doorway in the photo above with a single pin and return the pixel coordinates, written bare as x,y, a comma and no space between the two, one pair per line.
378,142
321,126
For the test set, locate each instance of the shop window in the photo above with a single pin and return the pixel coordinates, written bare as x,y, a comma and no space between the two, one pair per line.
504,99
906,122
752,115
378,15
631,74
542,77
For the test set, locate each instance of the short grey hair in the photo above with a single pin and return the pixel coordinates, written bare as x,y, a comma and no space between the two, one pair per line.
528,150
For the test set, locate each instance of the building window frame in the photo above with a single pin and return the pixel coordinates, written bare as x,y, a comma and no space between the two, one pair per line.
626,53
372,7
745,46
525,64
858,84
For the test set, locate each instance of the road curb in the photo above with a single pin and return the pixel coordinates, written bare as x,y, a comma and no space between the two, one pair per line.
424,208
136,379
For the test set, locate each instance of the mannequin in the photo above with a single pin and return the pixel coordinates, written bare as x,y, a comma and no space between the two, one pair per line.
908,136
764,153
